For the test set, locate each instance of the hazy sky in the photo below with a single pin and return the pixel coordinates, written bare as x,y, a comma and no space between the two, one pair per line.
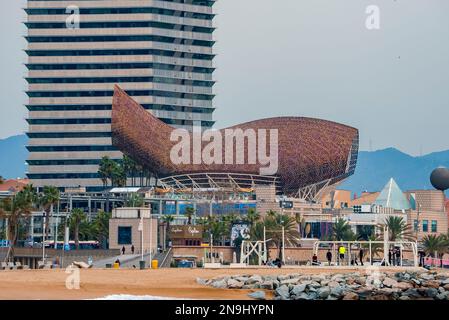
310,58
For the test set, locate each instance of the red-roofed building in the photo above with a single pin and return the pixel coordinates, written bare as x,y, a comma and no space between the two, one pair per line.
13,185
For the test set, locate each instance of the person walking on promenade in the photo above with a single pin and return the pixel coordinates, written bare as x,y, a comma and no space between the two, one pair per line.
329,256
341,253
354,259
315,260
361,254
132,249
123,250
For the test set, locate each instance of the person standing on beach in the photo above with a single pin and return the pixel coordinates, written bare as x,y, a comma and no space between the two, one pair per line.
132,249
329,256
361,254
123,250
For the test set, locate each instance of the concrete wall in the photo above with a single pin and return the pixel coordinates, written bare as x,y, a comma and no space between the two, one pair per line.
31,256
301,255
134,224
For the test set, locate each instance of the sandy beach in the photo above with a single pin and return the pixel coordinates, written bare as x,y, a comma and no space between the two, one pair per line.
98,283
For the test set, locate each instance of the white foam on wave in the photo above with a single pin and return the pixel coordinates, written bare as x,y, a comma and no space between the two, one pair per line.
134,297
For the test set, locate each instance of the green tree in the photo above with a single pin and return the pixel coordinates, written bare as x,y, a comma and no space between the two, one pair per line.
376,248
231,218
105,170
14,209
101,228
113,171
434,245
271,213
218,228
130,168
364,232
341,230
274,222
167,219
135,201
252,216
48,198
118,175
397,229
76,218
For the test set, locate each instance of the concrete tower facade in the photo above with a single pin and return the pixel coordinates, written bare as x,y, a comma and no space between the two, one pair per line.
159,51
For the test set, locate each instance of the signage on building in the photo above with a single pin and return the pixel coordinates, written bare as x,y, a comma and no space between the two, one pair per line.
364,208
186,232
286,204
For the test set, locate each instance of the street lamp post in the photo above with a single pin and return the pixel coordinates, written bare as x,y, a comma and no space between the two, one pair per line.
418,212
140,228
44,226
283,244
56,227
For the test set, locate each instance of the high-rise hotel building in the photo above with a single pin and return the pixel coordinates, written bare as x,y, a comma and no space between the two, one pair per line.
159,51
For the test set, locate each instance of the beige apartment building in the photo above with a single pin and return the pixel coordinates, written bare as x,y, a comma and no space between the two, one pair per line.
429,215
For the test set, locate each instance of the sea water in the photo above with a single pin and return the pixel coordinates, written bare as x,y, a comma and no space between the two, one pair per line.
134,297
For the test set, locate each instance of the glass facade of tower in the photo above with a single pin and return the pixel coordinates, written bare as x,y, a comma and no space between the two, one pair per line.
160,52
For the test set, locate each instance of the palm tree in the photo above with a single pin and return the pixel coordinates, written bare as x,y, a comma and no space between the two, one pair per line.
118,175
216,227
101,228
113,171
397,229
130,168
166,220
231,218
76,218
376,248
86,231
219,229
274,222
271,213
256,232
252,216
105,170
364,232
301,221
48,199
341,230
135,201
434,245
13,209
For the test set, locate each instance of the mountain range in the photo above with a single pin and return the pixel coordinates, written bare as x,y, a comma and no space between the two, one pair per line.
12,156
373,171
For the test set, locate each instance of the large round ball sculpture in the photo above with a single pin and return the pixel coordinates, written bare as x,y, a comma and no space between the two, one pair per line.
440,178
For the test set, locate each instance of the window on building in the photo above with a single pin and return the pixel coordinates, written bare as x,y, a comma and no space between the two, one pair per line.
425,226
434,226
415,225
124,235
